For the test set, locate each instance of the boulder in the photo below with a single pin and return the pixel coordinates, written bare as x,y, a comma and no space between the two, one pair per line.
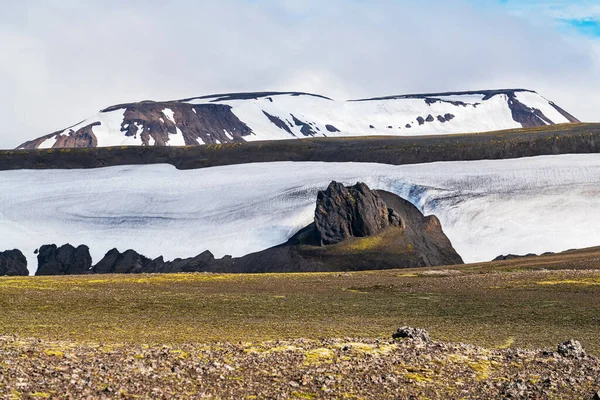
571,349
355,211
64,260
13,263
407,332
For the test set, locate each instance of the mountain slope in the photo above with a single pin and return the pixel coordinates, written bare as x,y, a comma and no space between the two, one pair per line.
230,118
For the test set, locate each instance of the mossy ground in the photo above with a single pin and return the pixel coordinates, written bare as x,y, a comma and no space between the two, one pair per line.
522,303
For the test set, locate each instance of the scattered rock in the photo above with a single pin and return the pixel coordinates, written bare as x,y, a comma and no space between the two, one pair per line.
449,117
331,128
64,260
421,120
571,349
407,332
408,126
355,211
13,263
429,118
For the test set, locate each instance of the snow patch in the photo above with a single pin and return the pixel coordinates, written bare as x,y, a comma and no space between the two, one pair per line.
169,114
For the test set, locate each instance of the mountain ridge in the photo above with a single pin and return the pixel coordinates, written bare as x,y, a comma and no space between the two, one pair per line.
252,116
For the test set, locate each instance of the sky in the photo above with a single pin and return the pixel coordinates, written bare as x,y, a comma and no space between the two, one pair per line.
63,60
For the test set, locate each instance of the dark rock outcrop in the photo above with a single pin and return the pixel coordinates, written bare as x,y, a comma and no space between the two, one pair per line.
13,263
571,349
355,211
305,129
407,332
128,262
421,120
413,241
278,123
331,128
64,260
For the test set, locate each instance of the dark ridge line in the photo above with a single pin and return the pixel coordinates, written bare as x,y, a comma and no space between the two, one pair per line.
250,96
487,93
256,95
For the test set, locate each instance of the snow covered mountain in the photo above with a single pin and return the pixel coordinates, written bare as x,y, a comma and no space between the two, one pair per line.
244,117
487,208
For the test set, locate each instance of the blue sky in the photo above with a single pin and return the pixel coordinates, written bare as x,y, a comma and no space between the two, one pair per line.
582,16
63,60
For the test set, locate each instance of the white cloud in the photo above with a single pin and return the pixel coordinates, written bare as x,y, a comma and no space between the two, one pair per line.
64,60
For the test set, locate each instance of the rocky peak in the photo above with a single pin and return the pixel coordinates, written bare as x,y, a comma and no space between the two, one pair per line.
64,260
355,211
13,263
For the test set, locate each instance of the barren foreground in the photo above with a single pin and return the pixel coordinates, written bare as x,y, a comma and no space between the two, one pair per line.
230,336
296,369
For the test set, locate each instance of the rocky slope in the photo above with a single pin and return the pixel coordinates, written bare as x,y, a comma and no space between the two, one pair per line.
355,228
234,118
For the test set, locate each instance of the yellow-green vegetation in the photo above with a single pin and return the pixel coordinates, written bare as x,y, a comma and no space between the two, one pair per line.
536,302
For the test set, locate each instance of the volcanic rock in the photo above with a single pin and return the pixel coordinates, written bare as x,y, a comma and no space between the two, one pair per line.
115,262
571,349
13,263
407,332
64,260
355,211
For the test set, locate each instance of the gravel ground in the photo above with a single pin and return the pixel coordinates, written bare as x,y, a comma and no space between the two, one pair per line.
295,369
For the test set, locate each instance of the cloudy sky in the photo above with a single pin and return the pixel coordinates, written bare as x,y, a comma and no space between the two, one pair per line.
63,60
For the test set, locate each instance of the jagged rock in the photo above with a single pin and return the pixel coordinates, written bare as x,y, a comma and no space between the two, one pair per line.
195,264
421,120
129,262
13,263
571,349
355,211
429,118
64,260
407,332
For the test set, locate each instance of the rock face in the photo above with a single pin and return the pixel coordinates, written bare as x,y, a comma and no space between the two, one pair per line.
64,260
13,263
355,211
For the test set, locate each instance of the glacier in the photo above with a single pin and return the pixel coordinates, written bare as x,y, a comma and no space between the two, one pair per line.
487,208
